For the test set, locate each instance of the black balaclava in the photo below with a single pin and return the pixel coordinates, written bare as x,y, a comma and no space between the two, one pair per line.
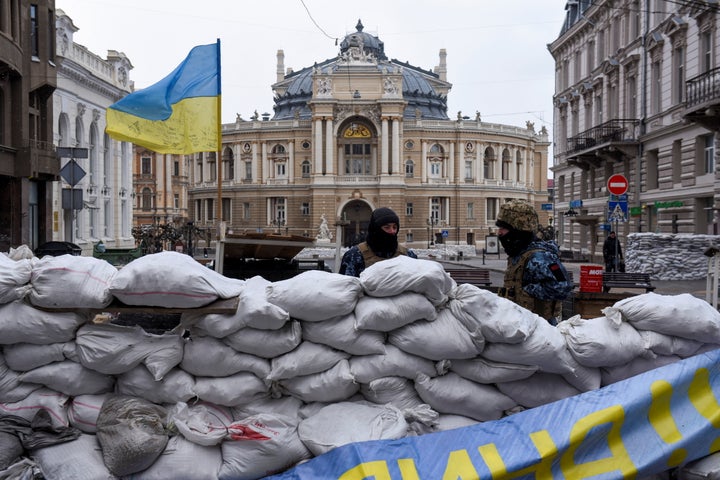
515,241
382,243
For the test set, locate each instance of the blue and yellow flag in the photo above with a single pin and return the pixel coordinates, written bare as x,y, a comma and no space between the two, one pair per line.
180,114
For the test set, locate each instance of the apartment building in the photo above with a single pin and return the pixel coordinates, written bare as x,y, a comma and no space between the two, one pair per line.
636,98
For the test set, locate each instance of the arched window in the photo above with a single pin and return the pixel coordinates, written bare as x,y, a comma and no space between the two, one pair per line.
277,149
228,164
489,163
409,168
305,167
357,148
519,163
146,201
506,164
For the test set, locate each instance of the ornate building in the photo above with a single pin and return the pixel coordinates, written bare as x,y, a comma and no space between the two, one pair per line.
102,207
28,163
360,131
636,95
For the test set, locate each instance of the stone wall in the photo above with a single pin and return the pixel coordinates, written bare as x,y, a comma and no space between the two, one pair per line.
669,256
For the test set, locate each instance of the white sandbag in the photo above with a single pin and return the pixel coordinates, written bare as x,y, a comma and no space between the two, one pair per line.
706,468
403,274
451,393
346,422
171,279
388,313
21,323
131,433
283,405
397,391
261,445
79,459
681,315
183,459
11,388
333,385
583,378
14,278
601,341
637,366
443,338
55,403
341,333
210,357
545,348
83,411
70,378
481,370
22,252
233,390
315,295
70,281
449,421
203,423
22,357
539,389
116,349
306,359
500,320
176,386
253,311
394,362
266,343
662,344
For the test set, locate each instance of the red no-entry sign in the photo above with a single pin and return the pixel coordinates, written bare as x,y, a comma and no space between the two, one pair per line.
617,184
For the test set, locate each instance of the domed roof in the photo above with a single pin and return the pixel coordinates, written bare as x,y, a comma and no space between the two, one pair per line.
417,86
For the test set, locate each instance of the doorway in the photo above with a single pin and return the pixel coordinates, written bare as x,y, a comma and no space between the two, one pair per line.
357,214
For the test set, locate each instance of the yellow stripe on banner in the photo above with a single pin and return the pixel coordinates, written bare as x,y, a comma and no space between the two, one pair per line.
192,127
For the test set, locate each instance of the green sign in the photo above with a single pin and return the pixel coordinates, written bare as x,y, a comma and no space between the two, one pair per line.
635,211
673,204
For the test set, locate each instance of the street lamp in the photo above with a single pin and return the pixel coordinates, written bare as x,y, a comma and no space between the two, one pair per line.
432,222
278,223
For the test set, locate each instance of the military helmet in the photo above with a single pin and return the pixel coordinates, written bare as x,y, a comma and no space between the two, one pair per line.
519,215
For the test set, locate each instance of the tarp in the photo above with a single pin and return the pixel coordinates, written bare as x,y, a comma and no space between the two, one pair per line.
634,428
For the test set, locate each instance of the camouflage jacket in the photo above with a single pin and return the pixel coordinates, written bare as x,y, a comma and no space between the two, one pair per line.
544,276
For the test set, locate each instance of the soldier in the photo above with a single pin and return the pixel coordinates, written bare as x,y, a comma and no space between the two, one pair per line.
535,277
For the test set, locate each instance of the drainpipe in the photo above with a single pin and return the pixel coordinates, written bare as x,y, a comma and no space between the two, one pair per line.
643,110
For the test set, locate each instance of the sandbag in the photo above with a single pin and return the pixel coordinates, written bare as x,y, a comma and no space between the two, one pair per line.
402,274
539,389
347,422
233,390
70,281
183,459
70,378
388,313
210,357
83,411
397,391
80,459
259,446
171,279
14,278
315,295
22,357
176,386
340,333
21,323
266,343
306,359
481,370
11,388
394,362
203,424
131,433
55,403
333,385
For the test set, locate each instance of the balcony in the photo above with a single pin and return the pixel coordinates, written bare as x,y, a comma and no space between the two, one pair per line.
613,140
38,159
702,99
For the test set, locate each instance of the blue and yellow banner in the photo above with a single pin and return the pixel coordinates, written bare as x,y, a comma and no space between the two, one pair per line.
641,426
180,114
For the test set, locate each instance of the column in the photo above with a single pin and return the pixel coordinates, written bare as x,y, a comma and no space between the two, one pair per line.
265,163
291,162
318,147
255,164
480,171
329,150
513,166
396,147
423,161
451,163
384,147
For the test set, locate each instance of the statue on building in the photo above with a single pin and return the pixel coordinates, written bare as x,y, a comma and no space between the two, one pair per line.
390,87
255,116
324,235
543,130
530,125
324,86
477,115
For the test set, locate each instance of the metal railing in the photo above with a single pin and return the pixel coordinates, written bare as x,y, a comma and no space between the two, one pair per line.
611,131
703,88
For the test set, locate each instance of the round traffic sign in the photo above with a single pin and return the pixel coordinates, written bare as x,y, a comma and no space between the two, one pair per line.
617,184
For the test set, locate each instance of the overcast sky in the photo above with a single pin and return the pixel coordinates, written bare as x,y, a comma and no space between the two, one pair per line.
497,56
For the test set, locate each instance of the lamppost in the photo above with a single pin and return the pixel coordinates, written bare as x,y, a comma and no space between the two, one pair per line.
278,223
432,222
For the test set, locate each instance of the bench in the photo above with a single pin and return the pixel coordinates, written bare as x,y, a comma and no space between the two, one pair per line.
480,277
626,280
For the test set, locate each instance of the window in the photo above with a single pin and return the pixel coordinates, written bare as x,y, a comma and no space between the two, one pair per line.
305,209
436,169
678,74
409,209
709,153
489,163
578,66
176,168
656,87
601,45
248,171
409,168
212,167
590,57
491,210
519,165
506,164
246,211
277,211
631,97
176,201
598,109
409,237
210,209
305,168
280,170
470,212
228,164
227,209
436,210
357,159
468,170
146,202
51,35
145,165
706,51
34,31
676,161
652,161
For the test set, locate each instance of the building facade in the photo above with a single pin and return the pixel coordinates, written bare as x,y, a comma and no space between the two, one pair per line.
28,163
636,97
101,208
361,131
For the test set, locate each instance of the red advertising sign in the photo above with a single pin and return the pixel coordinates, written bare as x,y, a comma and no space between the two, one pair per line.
617,184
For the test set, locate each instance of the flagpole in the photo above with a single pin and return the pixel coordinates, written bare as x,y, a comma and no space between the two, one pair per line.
218,208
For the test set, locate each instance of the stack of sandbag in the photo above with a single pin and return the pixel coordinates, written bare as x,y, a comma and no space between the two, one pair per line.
304,365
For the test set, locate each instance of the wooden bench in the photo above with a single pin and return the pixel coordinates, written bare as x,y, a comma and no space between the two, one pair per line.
480,277
626,280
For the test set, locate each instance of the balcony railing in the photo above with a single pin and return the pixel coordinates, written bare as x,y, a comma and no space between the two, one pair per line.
703,88
612,131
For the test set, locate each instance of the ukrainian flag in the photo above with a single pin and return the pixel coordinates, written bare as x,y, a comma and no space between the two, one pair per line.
180,114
